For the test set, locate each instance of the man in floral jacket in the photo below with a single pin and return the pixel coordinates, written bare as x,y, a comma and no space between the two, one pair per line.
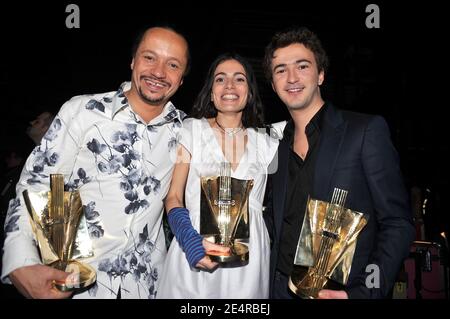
115,148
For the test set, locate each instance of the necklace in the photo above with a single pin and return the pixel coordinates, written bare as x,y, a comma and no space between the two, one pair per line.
229,132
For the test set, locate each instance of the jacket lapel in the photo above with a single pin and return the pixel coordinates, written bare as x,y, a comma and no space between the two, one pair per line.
332,136
280,185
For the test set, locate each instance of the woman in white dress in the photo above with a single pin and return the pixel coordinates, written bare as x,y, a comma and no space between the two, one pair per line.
222,128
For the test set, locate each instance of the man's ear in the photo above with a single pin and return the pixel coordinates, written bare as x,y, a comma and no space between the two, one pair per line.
132,64
321,77
273,87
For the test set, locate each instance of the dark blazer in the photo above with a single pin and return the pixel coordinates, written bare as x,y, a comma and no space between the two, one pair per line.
356,154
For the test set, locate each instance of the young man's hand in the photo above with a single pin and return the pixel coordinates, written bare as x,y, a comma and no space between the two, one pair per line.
332,294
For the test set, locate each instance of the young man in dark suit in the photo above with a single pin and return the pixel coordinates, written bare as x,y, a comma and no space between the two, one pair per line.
323,148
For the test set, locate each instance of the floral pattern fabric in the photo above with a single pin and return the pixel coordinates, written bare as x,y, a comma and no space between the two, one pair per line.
122,167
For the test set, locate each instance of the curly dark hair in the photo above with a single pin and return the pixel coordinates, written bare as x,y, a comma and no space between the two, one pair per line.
290,36
252,115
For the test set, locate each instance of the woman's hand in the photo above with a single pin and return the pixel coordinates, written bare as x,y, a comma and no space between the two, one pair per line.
206,263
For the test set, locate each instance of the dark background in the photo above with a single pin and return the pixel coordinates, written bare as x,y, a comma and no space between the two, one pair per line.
392,71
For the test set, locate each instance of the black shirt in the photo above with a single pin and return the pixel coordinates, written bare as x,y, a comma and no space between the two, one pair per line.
299,186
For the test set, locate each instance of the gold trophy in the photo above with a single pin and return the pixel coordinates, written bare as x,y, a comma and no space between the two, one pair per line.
61,231
224,215
326,245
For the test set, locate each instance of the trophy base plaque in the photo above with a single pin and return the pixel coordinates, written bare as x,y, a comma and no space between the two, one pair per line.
82,275
305,288
238,252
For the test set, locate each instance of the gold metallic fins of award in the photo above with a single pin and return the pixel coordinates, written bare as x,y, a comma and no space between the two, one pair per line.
60,228
326,245
224,214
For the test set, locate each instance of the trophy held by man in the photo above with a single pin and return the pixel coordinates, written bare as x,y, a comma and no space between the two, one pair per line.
326,245
61,232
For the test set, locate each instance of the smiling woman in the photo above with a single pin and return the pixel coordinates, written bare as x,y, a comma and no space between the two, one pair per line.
230,88
222,132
